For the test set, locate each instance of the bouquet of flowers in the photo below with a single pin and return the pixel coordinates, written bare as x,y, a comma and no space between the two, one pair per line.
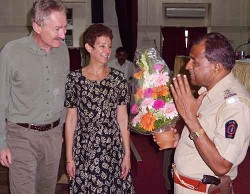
153,110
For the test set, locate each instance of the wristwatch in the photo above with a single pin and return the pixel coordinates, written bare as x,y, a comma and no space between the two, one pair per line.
194,135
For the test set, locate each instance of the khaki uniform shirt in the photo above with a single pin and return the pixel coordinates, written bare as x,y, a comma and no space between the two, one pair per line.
32,83
225,117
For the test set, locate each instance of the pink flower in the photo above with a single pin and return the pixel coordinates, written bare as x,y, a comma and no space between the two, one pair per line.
134,109
148,92
159,79
158,67
170,110
147,103
159,103
136,119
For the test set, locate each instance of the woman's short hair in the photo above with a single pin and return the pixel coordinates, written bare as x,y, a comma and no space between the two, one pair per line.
94,31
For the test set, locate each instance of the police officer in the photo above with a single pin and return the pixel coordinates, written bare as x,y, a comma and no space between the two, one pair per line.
216,135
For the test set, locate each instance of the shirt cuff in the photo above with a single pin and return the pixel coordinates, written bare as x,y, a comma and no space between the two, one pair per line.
232,153
3,144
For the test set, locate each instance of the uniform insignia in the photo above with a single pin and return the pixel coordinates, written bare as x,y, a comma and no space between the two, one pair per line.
230,96
230,129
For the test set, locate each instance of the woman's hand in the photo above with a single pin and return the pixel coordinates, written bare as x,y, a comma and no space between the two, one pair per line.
71,168
125,167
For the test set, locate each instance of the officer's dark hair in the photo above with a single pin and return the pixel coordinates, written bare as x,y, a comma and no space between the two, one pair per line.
218,49
120,49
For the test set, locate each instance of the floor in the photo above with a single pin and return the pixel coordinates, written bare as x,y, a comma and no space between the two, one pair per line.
147,175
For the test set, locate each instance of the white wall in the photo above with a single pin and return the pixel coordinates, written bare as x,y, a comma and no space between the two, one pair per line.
79,15
229,17
13,19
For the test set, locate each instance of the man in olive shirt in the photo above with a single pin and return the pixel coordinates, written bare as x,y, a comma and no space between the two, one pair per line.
33,70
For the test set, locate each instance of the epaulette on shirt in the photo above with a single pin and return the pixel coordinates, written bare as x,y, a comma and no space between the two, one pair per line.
230,97
231,125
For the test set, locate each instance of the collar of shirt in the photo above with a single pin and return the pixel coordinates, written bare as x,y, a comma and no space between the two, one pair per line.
36,49
217,89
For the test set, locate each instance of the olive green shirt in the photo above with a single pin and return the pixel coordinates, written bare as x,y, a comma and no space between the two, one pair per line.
32,83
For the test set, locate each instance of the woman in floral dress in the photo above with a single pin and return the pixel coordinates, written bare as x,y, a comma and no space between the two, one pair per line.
96,133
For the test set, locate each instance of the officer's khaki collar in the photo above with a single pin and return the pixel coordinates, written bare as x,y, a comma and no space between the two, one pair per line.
219,87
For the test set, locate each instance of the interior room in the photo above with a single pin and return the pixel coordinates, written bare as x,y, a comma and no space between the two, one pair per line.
166,25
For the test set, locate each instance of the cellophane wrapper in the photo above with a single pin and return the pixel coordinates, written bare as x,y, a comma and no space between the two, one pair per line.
153,109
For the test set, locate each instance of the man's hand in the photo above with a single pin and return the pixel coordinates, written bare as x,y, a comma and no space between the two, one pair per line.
5,157
185,102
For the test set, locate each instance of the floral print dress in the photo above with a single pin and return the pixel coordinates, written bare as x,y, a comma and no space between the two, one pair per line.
98,149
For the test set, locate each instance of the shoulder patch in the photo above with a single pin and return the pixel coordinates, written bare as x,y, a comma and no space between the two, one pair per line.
230,129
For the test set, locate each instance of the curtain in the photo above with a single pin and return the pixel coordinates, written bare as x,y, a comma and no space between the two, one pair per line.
97,11
127,15
173,44
194,32
75,58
